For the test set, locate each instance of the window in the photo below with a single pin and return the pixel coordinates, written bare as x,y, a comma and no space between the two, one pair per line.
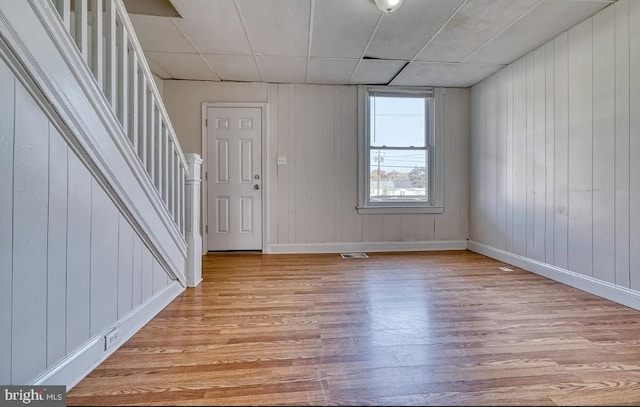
399,156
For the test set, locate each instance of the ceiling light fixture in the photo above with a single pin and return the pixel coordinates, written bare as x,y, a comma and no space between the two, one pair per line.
388,6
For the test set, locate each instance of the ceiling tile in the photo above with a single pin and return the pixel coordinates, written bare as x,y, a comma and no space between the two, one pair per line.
277,27
161,8
471,27
543,23
279,30
341,29
157,69
234,67
403,33
421,73
282,69
182,66
330,71
213,26
466,75
159,34
376,72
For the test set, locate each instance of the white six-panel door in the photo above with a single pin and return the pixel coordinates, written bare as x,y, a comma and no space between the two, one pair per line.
234,160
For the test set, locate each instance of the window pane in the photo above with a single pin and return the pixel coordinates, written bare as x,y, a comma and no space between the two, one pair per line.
398,176
397,121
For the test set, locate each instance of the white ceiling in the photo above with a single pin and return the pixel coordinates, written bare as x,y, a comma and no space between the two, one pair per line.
426,42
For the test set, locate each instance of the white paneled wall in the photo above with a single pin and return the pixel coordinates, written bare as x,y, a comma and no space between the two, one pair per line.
634,140
312,199
553,179
30,185
7,84
70,263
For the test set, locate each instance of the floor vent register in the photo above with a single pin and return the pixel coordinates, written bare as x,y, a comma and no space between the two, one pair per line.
354,255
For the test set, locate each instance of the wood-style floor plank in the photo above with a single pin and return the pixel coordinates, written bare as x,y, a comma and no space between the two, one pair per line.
444,328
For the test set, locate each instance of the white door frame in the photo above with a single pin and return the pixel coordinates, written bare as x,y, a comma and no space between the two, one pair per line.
264,170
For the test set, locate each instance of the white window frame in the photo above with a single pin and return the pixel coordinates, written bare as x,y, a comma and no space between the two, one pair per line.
435,200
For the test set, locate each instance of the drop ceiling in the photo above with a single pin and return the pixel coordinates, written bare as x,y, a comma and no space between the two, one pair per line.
426,42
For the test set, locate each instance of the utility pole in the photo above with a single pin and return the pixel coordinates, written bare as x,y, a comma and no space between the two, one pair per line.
379,175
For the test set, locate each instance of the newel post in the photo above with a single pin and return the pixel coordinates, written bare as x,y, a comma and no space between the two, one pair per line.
192,230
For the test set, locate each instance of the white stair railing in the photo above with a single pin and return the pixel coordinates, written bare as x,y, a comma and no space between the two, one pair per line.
105,38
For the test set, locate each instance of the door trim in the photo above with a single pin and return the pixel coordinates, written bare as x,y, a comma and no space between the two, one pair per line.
264,108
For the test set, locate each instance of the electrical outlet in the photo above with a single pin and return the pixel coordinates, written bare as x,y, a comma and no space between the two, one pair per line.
282,160
111,339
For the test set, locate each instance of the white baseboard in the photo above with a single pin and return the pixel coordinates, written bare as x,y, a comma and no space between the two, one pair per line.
80,363
343,247
621,295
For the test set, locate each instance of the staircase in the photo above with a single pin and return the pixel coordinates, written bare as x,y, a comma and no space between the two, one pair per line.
107,46
99,204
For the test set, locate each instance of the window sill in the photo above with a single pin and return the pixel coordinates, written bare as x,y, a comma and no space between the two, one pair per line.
397,209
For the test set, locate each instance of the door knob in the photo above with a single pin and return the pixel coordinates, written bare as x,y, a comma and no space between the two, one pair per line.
256,186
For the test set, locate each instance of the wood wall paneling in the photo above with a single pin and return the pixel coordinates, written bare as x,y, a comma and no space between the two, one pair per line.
529,180
480,167
282,137
462,153
451,225
159,277
302,173
580,253
573,123
561,151
7,98
30,215
274,199
621,141
136,277
316,157
539,163
474,162
604,146
291,160
125,267
147,274
527,176
104,260
388,232
339,182
549,208
327,165
519,243
57,248
510,159
491,170
501,162
634,142
372,228
350,131
78,253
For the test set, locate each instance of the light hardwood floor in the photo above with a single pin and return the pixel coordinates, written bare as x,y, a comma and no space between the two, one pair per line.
408,328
